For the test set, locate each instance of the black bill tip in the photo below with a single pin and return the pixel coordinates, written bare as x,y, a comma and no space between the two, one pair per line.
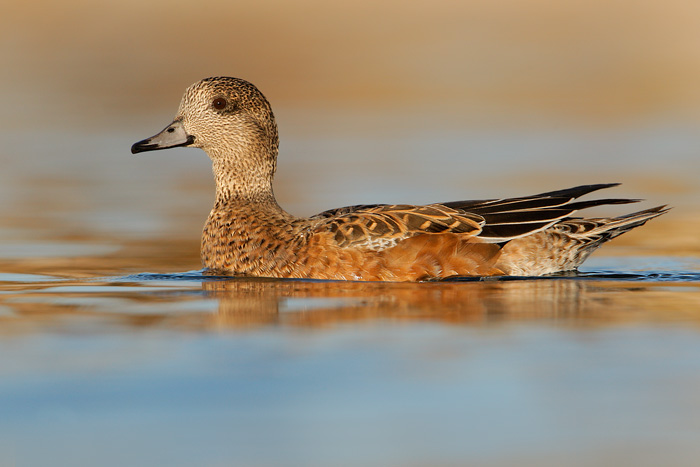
148,145
142,146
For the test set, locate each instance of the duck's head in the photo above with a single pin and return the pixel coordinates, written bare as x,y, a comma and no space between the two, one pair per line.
228,118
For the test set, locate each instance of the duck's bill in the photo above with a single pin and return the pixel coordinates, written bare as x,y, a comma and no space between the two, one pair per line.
174,135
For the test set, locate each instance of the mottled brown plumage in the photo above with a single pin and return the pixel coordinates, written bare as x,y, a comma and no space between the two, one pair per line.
248,233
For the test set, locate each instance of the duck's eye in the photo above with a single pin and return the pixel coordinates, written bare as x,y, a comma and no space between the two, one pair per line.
219,103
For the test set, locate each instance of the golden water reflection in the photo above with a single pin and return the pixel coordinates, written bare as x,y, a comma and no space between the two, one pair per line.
246,304
251,303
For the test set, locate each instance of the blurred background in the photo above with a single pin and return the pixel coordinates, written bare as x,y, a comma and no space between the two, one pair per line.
381,101
594,62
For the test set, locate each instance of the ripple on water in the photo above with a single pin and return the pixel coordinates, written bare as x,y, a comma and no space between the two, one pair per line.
607,275
53,250
26,278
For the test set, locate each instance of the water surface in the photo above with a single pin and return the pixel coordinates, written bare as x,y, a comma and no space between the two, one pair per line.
184,369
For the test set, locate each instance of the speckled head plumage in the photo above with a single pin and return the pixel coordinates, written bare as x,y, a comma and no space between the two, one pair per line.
222,106
232,121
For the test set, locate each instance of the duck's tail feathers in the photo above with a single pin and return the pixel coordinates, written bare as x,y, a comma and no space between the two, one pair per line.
597,231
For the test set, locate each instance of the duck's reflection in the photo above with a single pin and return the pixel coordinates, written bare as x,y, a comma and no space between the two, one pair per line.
244,303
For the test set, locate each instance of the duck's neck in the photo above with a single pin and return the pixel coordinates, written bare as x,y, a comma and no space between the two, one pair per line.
243,179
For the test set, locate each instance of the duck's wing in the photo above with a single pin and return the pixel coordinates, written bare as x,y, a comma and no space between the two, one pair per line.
492,220
377,227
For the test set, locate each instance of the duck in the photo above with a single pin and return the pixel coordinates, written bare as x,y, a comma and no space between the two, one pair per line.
247,233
